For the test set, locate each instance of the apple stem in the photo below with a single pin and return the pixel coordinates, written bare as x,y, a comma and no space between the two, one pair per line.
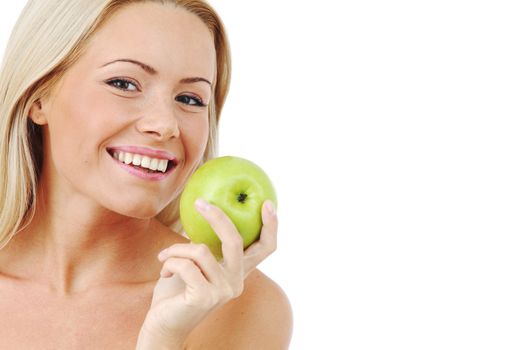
242,197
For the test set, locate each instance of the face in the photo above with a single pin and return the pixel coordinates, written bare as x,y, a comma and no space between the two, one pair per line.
139,94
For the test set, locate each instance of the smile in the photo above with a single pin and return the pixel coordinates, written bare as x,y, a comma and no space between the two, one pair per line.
143,166
145,162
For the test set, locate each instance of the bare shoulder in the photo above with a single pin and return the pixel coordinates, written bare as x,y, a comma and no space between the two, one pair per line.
261,318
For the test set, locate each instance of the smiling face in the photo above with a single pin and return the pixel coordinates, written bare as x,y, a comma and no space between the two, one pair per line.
139,94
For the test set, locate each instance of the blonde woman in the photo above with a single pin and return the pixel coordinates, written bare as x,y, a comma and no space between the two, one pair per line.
88,258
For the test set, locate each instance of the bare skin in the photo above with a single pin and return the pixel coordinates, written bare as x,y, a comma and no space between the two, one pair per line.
110,316
82,273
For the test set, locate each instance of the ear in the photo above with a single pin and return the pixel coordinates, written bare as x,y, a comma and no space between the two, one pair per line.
36,113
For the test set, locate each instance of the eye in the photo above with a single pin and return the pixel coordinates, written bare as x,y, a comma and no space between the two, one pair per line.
123,84
190,100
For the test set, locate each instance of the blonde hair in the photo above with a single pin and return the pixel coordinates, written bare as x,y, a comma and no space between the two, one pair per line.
49,36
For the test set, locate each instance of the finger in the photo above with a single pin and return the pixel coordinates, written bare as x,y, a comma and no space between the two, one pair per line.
198,291
267,242
200,254
187,270
232,244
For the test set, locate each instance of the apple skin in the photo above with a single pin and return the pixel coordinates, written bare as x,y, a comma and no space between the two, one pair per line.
236,185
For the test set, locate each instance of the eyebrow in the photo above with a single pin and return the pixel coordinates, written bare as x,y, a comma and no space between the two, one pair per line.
150,70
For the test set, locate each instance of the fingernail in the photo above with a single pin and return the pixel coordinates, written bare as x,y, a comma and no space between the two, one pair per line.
202,205
270,208
162,255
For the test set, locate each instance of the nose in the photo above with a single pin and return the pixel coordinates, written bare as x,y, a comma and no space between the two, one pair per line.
159,121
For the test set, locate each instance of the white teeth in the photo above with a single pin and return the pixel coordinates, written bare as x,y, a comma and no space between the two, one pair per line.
143,161
128,158
163,165
154,164
136,159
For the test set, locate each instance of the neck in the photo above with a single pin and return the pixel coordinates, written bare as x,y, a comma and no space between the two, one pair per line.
73,244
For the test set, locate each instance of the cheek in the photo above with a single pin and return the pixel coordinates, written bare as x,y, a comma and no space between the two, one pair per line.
77,124
195,139
87,114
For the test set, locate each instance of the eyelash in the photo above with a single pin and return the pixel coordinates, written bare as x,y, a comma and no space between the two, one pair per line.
198,101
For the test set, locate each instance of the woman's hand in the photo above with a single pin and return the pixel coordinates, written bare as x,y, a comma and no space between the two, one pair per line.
193,283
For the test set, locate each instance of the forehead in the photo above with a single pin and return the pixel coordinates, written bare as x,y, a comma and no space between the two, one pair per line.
167,37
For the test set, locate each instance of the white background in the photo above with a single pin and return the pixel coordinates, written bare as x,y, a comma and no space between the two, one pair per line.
393,131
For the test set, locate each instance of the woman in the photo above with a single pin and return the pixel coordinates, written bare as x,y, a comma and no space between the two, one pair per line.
85,85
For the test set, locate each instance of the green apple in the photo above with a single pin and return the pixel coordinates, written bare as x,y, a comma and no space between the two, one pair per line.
237,186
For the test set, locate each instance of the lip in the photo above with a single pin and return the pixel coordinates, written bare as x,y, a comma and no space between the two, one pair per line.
145,151
143,175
